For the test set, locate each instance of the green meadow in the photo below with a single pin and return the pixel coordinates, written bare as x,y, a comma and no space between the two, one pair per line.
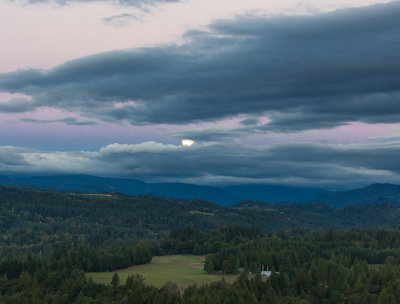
184,270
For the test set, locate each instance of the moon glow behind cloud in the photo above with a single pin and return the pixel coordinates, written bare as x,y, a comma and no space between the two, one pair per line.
187,142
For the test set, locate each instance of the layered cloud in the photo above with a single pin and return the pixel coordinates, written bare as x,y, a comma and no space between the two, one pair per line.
120,20
73,121
312,164
303,72
16,105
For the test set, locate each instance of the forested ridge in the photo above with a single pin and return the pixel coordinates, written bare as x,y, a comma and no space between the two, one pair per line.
33,221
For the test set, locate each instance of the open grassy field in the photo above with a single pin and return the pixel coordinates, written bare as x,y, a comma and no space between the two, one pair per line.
184,270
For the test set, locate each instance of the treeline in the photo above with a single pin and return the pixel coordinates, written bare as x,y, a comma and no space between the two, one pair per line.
253,248
190,240
307,267
322,281
360,284
83,259
55,286
187,240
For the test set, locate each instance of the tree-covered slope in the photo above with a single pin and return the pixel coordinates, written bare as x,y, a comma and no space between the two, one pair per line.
36,220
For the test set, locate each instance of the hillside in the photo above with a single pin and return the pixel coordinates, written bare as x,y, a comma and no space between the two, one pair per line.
374,193
35,220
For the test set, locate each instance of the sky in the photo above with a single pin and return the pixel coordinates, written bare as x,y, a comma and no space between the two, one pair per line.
303,93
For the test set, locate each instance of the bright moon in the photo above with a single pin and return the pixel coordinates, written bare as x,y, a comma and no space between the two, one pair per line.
187,142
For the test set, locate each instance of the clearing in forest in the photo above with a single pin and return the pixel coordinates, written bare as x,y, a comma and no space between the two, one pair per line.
184,270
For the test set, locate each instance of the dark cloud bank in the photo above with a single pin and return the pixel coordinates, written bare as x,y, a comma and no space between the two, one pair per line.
304,72
331,166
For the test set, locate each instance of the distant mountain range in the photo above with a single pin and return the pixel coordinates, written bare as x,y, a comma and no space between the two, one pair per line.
227,196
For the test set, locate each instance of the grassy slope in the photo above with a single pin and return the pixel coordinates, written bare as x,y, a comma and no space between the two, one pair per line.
184,270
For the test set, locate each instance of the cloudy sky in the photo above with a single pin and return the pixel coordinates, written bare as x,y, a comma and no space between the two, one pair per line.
286,92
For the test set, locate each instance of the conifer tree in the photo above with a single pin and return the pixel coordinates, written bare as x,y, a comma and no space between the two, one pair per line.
209,265
115,280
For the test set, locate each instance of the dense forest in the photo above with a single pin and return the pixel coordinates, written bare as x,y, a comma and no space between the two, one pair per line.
34,221
351,266
316,254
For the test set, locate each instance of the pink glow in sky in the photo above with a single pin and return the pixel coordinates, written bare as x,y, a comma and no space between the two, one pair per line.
45,35
270,91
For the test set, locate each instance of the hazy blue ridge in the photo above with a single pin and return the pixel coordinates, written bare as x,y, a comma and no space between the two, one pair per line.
276,193
375,193
226,196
